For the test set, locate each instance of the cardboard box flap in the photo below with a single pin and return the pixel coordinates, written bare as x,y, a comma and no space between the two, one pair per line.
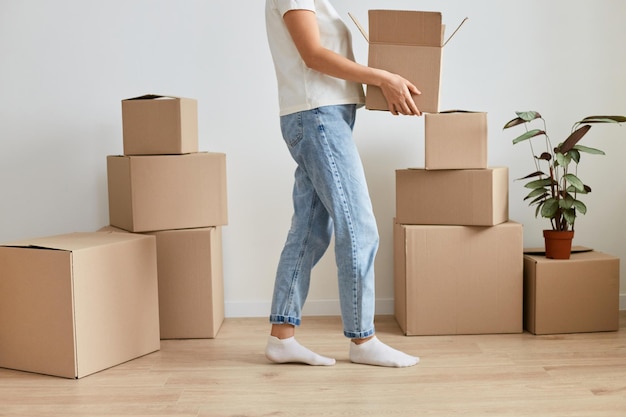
468,169
542,251
74,241
401,27
451,111
152,97
405,27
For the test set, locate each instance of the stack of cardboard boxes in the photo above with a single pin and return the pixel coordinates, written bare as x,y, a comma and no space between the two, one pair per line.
460,267
457,257
162,186
78,303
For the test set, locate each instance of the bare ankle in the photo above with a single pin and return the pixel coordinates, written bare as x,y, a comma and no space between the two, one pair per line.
362,340
283,330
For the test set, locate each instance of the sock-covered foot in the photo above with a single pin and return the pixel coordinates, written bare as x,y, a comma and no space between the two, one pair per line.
290,351
375,352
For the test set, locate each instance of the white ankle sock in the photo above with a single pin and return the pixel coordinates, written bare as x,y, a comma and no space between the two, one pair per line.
289,350
375,352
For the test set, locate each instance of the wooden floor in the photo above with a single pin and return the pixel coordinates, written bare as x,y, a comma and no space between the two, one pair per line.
490,375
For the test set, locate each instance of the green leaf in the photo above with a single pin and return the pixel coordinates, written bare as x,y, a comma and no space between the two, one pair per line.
528,116
603,119
539,199
550,207
534,193
567,202
563,160
572,189
574,154
575,182
586,149
528,135
569,216
580,206
545,182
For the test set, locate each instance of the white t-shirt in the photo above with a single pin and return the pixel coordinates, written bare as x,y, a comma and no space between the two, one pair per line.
299,87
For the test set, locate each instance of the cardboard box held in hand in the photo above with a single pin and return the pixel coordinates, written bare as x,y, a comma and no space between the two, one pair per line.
408,43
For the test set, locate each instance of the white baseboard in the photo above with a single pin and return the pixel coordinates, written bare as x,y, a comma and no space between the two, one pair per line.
322,308
311,308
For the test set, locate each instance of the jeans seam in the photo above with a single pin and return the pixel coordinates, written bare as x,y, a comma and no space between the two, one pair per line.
296,273
346,208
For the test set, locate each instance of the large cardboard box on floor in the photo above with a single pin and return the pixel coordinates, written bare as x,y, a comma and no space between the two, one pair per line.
458,279
408,43
72,305
580,294
164,192
158,125
455,140
468,197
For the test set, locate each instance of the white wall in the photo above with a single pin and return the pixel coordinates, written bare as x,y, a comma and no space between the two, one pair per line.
66,64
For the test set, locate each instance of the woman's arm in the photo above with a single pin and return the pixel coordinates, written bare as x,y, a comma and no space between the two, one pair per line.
302,25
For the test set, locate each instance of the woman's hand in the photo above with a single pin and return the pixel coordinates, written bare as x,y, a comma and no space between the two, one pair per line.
397,91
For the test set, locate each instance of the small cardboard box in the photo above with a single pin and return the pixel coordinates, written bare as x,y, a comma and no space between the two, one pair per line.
75,304
191,282
458,279
159,125
163,192
408,43
466,197
455,140
577,295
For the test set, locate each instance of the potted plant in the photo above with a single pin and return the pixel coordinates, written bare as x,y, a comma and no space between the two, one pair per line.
555,185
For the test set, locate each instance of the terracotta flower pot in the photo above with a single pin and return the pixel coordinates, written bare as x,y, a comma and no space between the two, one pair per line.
558,243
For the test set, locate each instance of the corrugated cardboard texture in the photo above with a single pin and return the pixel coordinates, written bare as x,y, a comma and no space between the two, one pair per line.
458,279
405,27
468,197
158,125
151,193
419,64
191,282
580,294
36,311
456,140
75,304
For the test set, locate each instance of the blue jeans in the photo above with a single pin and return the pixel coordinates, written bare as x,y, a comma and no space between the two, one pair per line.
329,193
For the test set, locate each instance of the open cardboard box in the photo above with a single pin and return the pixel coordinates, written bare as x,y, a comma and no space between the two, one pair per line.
159,125
408,43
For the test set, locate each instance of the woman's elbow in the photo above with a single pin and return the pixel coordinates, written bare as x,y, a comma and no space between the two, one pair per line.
313,61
